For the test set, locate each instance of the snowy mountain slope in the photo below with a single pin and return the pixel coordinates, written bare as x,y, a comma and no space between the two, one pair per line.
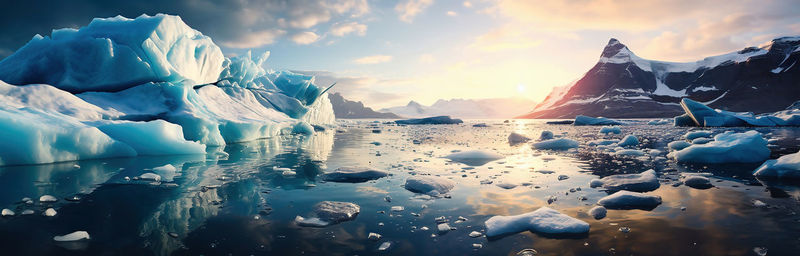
118,80
622,84
465,108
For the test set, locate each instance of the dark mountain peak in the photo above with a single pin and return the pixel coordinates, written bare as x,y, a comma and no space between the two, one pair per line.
612,48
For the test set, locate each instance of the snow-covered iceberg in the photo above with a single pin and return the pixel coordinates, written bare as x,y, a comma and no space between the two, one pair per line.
728,147
556,144
90,92
641,182
787,166
544,220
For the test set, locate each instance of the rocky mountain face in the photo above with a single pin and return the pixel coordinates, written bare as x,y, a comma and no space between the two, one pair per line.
466,108
621,84
344,108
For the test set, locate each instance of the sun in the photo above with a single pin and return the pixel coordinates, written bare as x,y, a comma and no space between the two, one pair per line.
520,88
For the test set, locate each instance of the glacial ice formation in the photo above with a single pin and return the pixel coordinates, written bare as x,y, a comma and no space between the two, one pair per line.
542,220
585,120
702,115
728,147
94,92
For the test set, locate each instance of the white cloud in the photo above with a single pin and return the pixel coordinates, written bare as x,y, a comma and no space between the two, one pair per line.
374,59
342,29
467,4
255,39
306,37
452,13
407,9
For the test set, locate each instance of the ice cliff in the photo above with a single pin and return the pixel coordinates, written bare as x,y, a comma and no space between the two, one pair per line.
152,85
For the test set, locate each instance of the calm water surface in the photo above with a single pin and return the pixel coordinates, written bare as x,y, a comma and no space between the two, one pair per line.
236,204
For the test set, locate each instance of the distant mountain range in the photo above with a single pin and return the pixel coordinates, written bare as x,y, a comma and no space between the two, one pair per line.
466,108
621,84
343,108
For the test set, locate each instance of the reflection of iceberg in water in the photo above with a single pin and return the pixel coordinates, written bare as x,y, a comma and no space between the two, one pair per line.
232,177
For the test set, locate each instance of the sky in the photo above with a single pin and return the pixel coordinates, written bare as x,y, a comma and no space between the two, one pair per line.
386,53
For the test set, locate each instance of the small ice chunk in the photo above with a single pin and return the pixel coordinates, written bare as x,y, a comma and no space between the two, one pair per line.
697,181
610,129
47,199
477,246
596,183
354,174
543,220
787,166
759,203
329,213
27,212
443,227
474,234
429,185
598,212
385,246
150,176
506,185
310,222
678,145
546,135
288,173
50,212
374,236
474,157
626,199
516,138
629,140
642,182
556,144
629,152
71,237
7,212
697,134
398,208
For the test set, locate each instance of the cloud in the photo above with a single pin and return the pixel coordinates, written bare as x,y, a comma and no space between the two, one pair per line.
306,37
231,23
467,4
255,39
374,59
342,29
451,13
407,9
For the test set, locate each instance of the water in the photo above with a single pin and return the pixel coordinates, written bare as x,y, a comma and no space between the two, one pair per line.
236,204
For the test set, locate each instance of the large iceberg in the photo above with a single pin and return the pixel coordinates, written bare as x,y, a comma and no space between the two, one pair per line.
120,79
787,166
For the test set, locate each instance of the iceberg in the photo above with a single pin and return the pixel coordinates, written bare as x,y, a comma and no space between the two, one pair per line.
89,93
474,157
354,174
610,129
556,144
329,213
112,54
787,166
626,199
543,220
516,138
586,120
546,135
433,186
642,182
430,120
728,147
702,115
71,237
697,181
629,140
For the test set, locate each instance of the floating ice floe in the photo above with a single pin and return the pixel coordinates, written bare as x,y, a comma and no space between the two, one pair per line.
166,172
329,213
7,212
585,120
787,166
626,199
629,152
430,120
701,115
50,212
546,135
697,134
544,220
150,177
474,157
629,140
728,147
71,237
659,122
516,138
641,182
610,129
696,181
47,199
598,212
433,186
354,174
556,144
678,145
